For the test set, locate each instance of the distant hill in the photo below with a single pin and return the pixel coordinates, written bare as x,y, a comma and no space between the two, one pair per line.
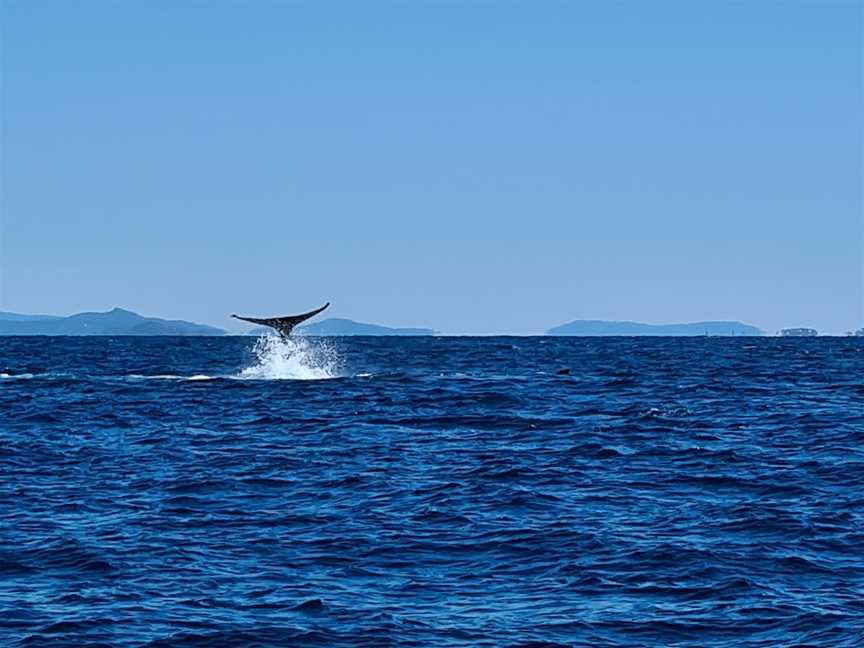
593,328
20,317
114,322
336,327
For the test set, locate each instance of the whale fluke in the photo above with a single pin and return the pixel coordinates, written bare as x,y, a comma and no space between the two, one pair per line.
284,325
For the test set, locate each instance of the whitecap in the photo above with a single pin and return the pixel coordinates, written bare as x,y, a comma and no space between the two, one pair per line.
168,377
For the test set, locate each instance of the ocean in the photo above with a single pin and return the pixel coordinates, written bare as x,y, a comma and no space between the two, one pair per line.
432,491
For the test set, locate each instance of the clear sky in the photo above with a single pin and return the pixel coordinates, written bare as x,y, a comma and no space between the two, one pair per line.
474,167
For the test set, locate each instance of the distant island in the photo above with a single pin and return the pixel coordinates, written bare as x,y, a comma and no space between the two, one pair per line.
338,327
124,322
595,328
799,332
119,321
114,322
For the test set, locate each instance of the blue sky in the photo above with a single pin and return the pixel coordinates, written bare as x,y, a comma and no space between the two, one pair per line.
475,167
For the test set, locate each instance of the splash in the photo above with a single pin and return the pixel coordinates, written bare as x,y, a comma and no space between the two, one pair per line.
295,358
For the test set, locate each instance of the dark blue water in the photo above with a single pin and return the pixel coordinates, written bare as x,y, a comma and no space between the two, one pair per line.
437,492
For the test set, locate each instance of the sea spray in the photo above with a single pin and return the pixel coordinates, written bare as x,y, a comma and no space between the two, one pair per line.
295,358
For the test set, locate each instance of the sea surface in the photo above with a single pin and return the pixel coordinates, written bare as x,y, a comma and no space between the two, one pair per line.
432,492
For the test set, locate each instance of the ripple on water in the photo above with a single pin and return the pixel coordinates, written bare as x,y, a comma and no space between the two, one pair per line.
446,492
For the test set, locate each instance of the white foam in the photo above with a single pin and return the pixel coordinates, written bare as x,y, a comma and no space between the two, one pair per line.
169,377
27,376
155,377
295,358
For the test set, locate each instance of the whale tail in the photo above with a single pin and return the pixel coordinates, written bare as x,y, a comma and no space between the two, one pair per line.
283,325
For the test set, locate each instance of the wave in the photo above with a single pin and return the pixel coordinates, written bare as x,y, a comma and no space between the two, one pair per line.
170,377
682,509
48,375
